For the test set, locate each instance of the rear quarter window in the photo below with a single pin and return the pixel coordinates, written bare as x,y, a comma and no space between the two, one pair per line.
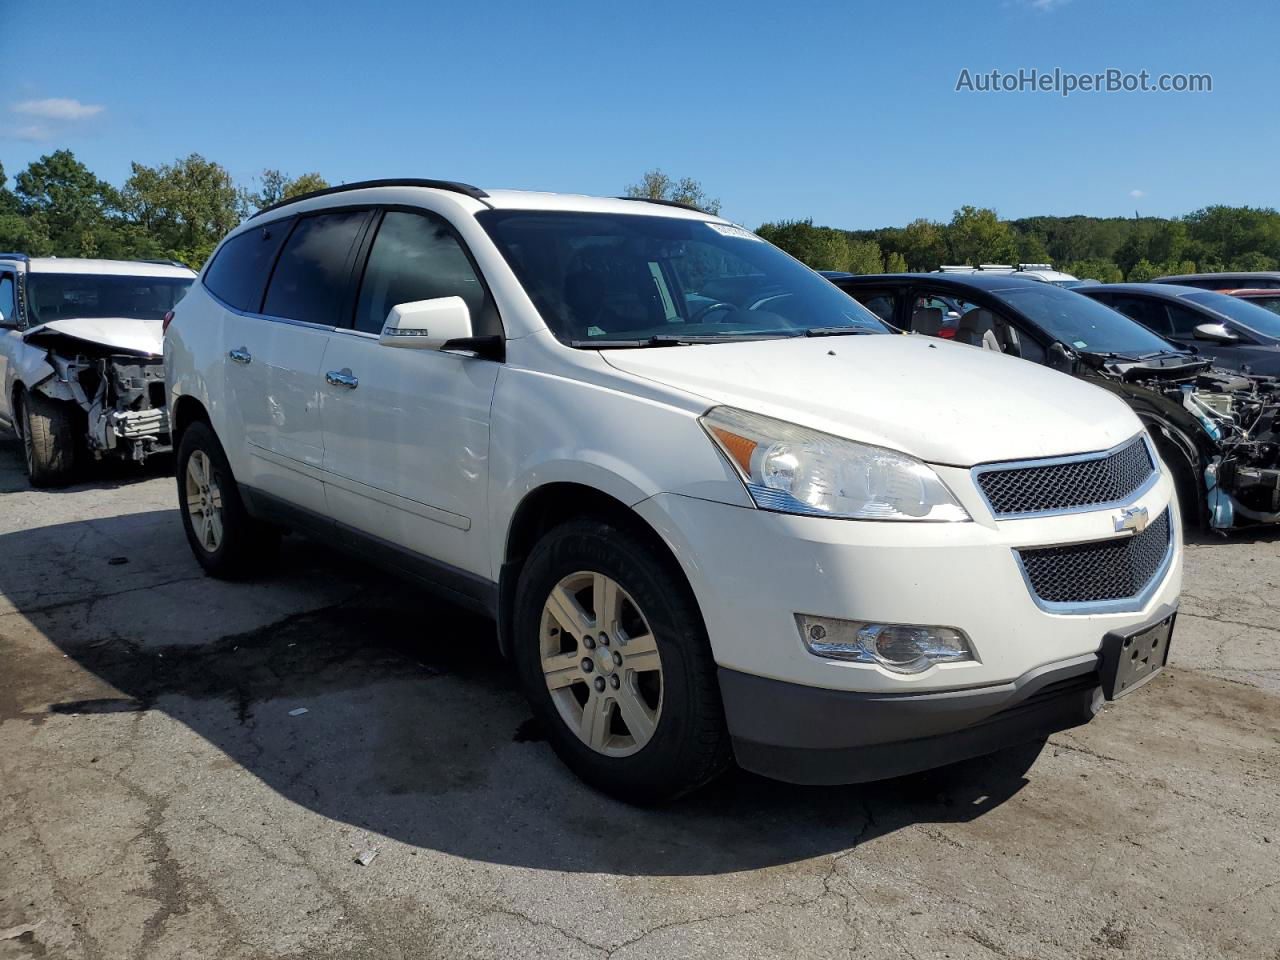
238,274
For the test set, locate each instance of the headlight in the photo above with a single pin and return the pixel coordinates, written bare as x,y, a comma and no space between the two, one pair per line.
793,469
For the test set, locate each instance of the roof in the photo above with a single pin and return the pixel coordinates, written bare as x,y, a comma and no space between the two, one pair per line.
976,281
121,268
1169,291
476,199
1174,278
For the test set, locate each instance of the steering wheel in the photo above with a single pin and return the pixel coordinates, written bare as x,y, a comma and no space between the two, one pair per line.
710,307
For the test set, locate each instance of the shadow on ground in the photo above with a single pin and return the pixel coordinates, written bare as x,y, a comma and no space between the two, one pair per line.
414,728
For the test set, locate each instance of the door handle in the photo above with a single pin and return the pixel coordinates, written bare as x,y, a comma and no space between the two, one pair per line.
240,355
342,378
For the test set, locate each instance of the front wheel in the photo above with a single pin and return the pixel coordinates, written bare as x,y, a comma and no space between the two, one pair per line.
613,656
49,439
226,541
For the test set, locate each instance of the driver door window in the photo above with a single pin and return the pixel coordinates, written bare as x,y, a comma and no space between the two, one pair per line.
8,301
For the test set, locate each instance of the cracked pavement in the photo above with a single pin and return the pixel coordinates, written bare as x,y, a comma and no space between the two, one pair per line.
158,798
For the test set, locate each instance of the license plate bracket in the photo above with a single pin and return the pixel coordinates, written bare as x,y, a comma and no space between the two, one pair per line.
1131,659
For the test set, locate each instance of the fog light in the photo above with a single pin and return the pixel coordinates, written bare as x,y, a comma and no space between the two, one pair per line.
900,647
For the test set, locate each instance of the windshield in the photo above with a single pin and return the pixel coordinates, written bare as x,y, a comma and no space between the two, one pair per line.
1082,323
57,296
1247,313
599,277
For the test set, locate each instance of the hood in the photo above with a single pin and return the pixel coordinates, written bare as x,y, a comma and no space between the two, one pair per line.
947,403
117,334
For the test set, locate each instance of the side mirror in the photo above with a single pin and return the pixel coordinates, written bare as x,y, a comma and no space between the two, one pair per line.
1217,332
1058,358
427,324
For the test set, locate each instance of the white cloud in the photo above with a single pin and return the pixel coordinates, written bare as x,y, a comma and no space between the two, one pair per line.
1137,193
57,108
1045,5
33,133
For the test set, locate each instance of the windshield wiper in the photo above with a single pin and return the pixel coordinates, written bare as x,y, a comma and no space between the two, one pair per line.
838,331
1110,355
667,340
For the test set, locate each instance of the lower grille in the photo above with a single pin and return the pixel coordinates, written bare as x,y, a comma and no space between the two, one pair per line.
1096,572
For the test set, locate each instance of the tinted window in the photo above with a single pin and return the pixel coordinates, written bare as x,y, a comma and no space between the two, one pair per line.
310,279
417,257
1081,322
8,300
1241,311
1185,321
597,276
1150,313
238,273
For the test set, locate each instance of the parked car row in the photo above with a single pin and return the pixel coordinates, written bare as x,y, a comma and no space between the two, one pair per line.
1183,367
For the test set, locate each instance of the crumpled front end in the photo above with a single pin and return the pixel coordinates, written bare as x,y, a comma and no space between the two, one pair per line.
122,396
1243,481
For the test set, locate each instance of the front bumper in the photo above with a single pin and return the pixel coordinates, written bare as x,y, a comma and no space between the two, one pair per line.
806,735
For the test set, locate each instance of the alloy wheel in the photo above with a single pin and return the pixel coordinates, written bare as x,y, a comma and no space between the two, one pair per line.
601,663
204,501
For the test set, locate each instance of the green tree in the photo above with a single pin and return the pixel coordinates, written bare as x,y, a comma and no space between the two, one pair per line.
1141,272
656,185
895,263
977,235
69,211
863,257
186,207
821,248
1096,268
923,245
277,186
1253,260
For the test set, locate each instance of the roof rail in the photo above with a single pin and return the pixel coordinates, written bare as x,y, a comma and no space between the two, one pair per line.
164,261
667,203
452,185
14,256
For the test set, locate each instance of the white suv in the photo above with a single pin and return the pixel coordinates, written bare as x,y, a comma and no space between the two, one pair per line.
80,358
717,510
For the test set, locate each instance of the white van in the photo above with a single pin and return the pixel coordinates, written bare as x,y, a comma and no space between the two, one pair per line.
716,508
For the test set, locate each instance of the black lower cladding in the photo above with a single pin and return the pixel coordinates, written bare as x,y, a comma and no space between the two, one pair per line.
816,736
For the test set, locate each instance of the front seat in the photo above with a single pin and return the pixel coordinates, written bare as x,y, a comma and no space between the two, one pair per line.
927,320
978,328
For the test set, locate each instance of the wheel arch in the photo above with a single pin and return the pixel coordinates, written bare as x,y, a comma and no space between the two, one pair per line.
186,411
546,507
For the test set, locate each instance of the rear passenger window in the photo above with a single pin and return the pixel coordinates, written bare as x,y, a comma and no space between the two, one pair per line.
8,300
417,257
238,273
310,279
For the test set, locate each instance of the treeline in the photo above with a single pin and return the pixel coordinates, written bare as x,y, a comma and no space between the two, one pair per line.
180,210
1109,249
177,211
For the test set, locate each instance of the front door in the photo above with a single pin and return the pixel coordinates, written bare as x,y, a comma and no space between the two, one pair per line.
406,431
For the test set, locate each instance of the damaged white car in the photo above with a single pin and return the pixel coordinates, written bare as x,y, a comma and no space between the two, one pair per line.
81,359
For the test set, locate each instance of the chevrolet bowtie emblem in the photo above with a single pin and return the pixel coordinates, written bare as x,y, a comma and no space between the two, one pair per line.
1132,518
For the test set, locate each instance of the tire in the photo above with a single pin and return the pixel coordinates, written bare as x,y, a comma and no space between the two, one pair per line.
50,439
1185,483
652,662
227,542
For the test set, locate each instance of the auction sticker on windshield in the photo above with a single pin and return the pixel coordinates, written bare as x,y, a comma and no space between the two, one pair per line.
732,230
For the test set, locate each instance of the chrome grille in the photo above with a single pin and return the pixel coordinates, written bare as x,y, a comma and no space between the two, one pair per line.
1065,485
1104,570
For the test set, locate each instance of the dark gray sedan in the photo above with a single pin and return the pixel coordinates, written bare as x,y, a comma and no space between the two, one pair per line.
1231,332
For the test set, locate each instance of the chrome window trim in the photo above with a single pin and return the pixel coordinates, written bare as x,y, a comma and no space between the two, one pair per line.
1121,605
263,316
1001,466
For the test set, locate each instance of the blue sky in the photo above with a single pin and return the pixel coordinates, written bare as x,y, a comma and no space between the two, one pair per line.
844,112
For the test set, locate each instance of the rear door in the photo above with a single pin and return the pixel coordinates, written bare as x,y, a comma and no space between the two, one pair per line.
406,431
273,352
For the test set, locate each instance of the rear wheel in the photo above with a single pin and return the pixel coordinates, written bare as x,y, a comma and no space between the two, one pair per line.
613,656
49,441
226,541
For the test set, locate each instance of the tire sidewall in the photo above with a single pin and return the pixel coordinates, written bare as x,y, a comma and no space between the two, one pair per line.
198,437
